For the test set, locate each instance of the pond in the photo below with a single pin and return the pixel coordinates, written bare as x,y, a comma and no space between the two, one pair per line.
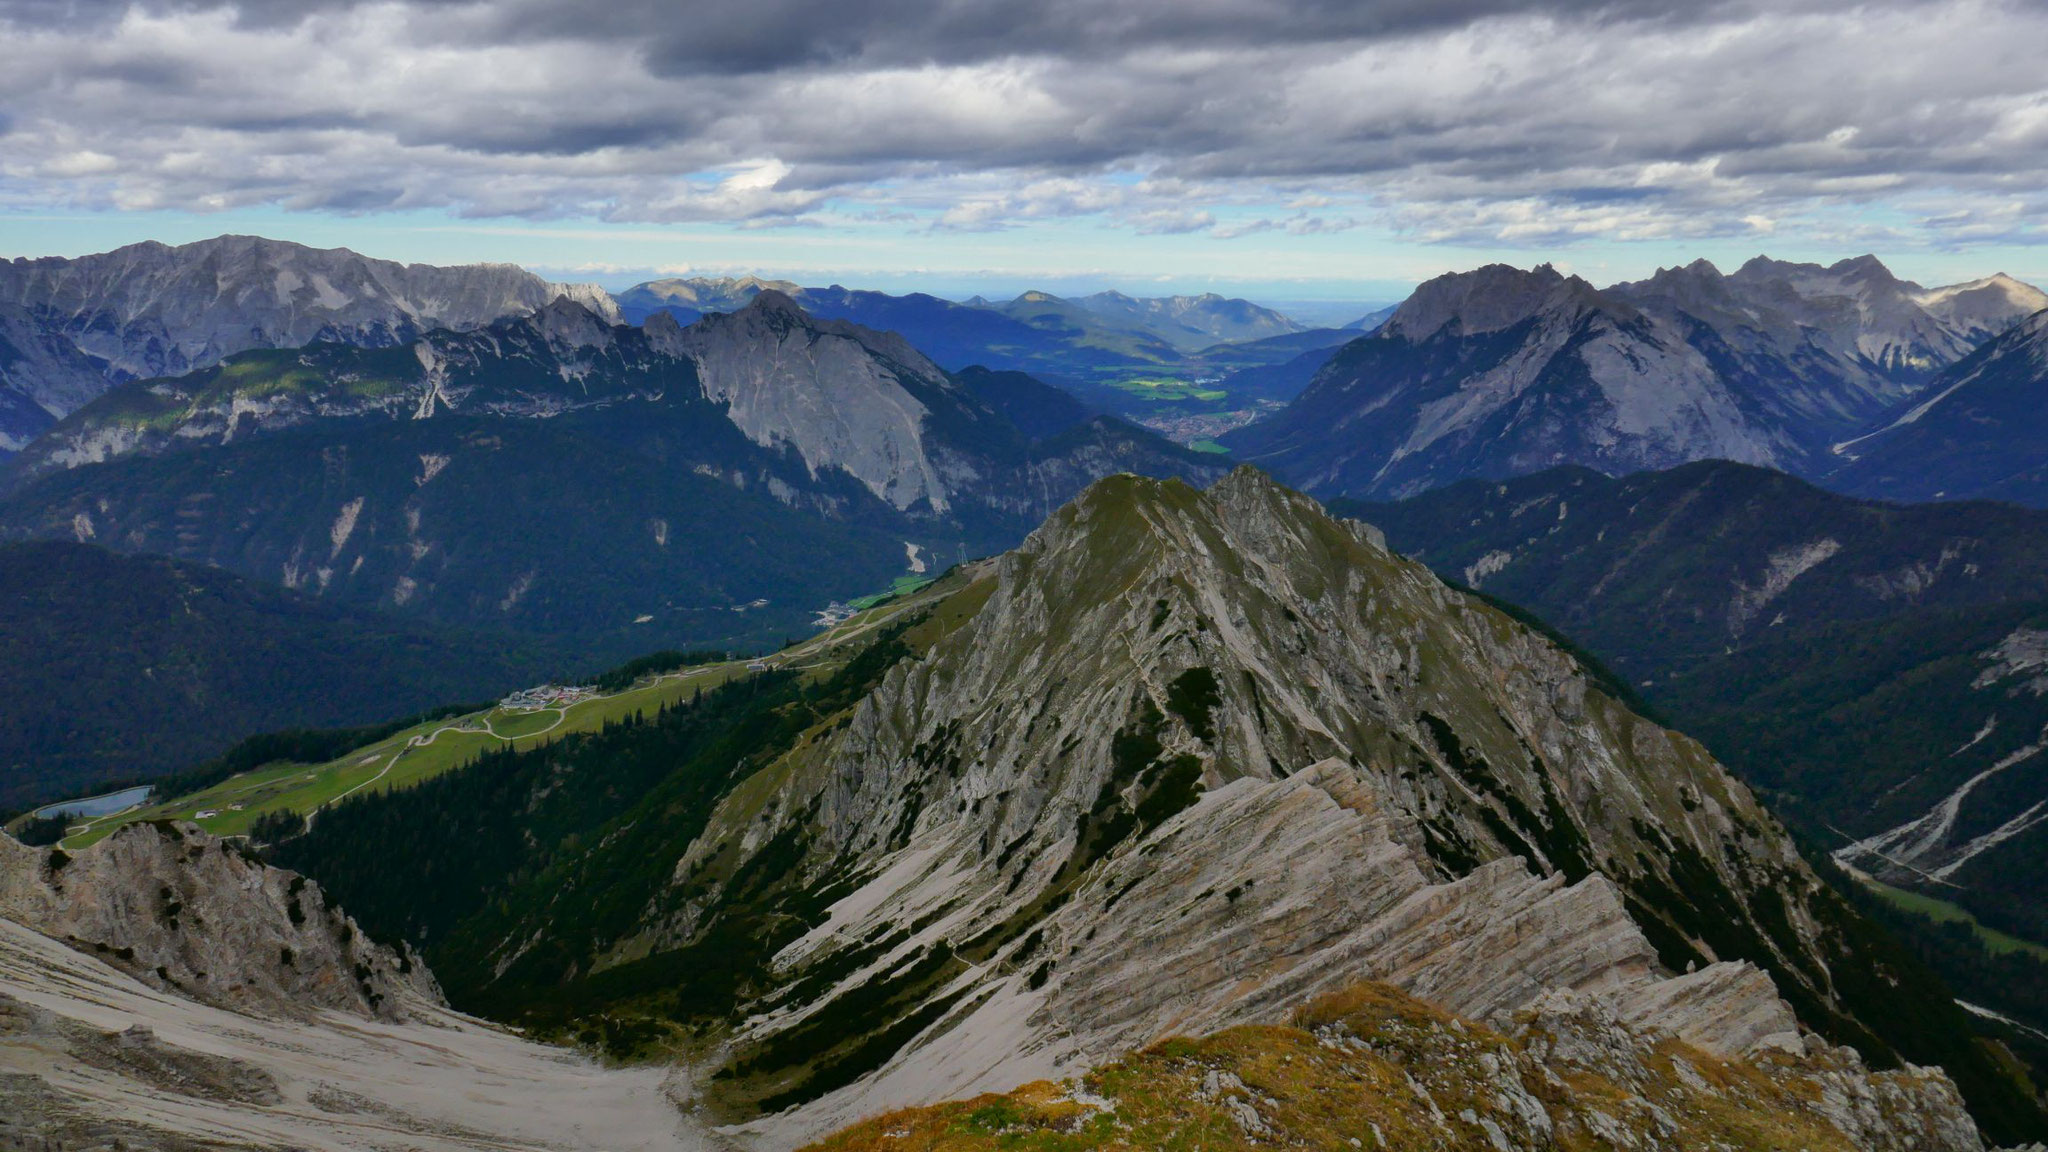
91,806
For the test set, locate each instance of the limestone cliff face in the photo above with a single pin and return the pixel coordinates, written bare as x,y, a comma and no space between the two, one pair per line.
558,359
188,913
842,396
1193,758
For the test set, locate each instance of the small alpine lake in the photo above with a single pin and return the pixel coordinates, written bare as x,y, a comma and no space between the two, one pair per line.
92,806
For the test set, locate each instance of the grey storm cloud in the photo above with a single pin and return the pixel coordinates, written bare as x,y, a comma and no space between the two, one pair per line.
1447,119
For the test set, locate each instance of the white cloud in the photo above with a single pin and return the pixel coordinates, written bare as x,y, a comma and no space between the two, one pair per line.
1517,123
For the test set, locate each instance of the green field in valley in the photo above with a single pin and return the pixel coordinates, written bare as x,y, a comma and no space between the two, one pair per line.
1167,389
901,586
429,749
404,759
1945,912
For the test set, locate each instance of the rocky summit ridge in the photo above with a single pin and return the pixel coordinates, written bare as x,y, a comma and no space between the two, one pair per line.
1183,761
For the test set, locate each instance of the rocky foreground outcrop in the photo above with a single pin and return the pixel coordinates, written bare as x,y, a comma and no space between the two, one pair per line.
162,992
190,913
1374,1068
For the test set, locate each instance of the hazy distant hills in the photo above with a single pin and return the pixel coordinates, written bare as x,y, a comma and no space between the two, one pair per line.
1181,323
1085,344
1190,323
70,329
558,473
1501,372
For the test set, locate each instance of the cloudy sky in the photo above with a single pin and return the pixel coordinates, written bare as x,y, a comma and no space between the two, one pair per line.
1289,149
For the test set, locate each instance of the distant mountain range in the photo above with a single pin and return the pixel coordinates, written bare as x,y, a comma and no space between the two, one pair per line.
71,329
719,483
1492,373
1164,325
1501,372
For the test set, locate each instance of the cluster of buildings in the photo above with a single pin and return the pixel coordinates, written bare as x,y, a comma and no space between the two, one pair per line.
835,613
546,696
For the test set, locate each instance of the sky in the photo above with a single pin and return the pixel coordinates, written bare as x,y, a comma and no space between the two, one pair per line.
1310,150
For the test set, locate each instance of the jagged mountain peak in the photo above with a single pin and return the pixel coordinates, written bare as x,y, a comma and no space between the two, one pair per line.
1699,272
1854,275
1985,307
1865,267
774,302
1490,299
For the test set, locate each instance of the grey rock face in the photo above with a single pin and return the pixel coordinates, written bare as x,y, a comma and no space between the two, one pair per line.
1488,299
1824,351
1981,309
150,310
1498,372
186,912
1566,1035
841,395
